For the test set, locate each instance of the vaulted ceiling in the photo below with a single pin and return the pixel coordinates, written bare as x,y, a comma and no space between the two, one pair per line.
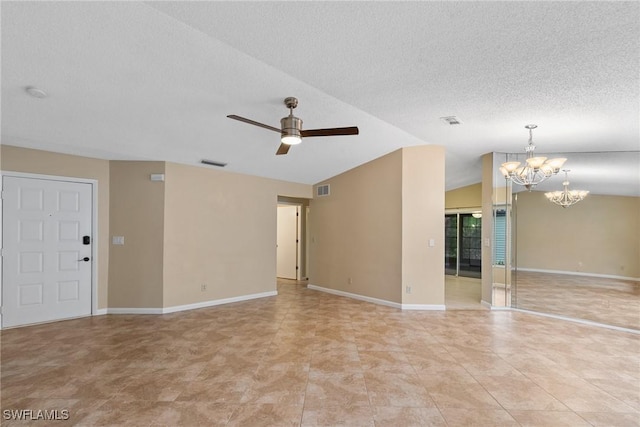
156,80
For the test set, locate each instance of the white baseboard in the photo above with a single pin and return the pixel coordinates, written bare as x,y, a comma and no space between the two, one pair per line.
425,307
578,273
575,320
494,307
212,303
100,312
377,300
133,310
194,306
355,296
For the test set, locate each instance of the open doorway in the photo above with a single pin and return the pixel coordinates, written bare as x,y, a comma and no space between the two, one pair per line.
463,244
463,261
291,250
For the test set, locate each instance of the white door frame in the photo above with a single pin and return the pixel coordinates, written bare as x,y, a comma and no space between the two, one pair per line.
94,228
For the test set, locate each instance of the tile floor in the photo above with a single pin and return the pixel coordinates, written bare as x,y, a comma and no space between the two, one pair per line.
603,300
309,358
463,293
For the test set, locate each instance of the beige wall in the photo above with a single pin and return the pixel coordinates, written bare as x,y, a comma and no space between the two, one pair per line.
137,213
17,159
464,197
487,227
220,230
598,235
370,235
199,226
422,221
356,231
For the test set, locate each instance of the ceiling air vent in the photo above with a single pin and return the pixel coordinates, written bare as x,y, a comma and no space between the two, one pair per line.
213,163
322,190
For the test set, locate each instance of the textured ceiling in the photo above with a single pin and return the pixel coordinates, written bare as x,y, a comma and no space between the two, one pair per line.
155,80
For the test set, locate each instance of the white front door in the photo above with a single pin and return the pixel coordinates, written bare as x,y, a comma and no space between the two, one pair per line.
46,241
287,253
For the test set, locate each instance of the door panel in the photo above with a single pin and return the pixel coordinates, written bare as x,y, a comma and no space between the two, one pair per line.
451,244
287,253
47,269
463,249
470,260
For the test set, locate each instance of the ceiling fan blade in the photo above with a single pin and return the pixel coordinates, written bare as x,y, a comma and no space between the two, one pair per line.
252,122
283,149
353,130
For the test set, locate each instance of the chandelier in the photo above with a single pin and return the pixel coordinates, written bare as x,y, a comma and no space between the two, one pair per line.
566,197
536,169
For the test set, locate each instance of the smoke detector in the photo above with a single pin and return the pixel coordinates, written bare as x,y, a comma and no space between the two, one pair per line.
451,120
36,92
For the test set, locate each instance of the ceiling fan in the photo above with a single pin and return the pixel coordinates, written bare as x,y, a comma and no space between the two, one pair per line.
291,132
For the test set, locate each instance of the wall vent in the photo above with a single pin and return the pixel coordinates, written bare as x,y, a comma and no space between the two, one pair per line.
322,190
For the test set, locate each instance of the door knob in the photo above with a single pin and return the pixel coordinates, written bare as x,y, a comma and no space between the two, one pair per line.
85,259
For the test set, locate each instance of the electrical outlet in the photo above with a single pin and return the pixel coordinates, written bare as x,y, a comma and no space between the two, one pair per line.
408,289
203,287
350,280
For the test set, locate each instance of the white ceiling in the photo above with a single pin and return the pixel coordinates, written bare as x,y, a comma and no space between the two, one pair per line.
156,80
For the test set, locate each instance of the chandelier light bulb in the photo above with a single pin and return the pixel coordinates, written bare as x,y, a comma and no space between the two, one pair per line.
510,167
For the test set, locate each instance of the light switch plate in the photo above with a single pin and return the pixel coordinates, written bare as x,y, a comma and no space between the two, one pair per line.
118,240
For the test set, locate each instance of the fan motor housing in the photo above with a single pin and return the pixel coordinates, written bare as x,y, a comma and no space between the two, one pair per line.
291,127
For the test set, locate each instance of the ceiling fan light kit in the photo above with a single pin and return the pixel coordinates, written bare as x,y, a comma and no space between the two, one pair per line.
291,126
291,132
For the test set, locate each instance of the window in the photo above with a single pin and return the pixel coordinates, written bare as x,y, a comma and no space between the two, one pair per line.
500,237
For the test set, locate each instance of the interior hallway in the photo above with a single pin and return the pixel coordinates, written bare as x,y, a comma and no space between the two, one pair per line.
310,358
